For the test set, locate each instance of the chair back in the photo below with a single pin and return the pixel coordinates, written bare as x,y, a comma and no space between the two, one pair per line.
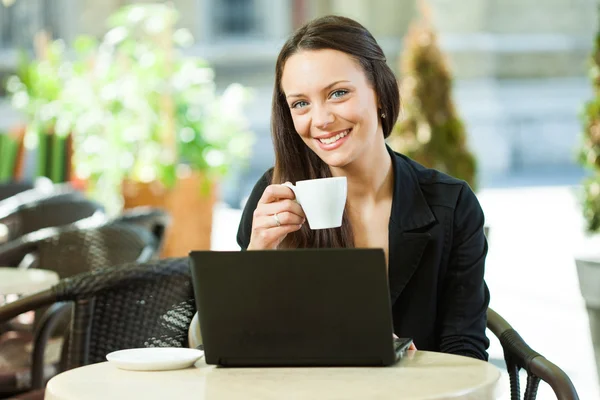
9,189
154,220
38,194
518,355
75,249
128,306
52,212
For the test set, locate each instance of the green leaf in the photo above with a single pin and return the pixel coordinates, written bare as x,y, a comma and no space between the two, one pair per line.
168,176
9,148
58,158
42,153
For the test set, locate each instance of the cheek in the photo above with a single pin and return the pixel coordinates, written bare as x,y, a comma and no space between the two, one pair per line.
368,114
350,111
302,124
358,111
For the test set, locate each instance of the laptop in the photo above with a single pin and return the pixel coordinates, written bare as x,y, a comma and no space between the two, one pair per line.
304,307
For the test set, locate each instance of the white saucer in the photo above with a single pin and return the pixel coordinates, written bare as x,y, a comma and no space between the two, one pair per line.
155,358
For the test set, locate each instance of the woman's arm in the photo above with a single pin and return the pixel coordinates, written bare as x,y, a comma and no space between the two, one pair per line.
245,227
465,297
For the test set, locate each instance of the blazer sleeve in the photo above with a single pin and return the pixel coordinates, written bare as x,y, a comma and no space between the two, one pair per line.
245,228
465,298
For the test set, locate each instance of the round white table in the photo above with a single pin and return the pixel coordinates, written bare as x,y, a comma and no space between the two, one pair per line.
25,281
420,375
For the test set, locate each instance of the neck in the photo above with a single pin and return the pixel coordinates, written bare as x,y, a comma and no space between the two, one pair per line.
370,178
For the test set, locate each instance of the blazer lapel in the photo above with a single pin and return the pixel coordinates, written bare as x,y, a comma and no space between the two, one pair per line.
410,219
406,249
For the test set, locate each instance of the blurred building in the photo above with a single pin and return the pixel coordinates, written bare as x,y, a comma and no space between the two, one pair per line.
520,66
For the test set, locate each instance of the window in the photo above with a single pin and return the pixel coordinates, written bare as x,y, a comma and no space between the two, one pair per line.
23,19
238,20
235,18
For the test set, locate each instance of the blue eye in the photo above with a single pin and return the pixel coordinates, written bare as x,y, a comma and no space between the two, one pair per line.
300,103
338,93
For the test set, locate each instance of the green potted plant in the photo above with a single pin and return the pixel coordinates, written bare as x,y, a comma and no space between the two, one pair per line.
588,265
429,129
35,91
149,127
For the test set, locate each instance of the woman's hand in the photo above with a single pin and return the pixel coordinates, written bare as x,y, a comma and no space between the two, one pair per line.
276,215
412,344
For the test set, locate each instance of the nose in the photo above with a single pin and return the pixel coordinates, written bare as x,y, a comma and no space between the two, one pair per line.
322,116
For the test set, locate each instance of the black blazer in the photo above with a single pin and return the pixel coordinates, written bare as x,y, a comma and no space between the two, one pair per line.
437,252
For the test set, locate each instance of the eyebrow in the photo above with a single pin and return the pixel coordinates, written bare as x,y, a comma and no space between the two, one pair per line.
325,88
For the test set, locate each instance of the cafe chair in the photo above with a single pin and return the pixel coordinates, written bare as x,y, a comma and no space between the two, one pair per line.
68,251
84,246
39,193
47,213
9,189
154,220
518,355
125,306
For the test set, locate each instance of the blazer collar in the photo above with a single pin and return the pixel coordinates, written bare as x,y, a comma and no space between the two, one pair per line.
409,208
410,212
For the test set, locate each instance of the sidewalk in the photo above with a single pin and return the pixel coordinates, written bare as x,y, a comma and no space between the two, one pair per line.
530,269
531,274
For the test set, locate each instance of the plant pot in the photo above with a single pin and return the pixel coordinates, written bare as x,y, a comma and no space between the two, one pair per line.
190,209
588,271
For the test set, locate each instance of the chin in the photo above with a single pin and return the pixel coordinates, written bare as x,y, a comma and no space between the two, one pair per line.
335,159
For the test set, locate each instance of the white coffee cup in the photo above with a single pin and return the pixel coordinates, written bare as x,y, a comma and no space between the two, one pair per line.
323,200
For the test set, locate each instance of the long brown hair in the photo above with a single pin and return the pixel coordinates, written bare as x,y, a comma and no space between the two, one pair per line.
294,161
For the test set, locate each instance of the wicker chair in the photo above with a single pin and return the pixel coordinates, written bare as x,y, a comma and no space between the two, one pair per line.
38,194
10,189
518,355
154,220
87,246
54,212
67,251
126,306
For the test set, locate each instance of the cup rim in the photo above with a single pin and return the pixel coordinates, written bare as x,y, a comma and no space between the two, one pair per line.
323,179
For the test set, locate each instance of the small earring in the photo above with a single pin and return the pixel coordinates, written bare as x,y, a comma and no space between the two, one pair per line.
382,115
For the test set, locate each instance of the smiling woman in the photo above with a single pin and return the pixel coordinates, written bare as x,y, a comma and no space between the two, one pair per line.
335,101
335,91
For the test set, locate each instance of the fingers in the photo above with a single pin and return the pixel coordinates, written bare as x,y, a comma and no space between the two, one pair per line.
276,215
270,238
279,207
269,221
275,235
276,192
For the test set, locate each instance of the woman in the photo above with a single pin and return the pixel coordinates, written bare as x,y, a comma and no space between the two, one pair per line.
335,101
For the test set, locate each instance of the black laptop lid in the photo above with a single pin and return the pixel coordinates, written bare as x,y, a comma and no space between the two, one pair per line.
289,306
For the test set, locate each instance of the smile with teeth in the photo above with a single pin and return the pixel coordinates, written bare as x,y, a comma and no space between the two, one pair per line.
335,138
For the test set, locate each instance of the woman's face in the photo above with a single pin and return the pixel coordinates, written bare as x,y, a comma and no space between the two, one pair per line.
334,107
